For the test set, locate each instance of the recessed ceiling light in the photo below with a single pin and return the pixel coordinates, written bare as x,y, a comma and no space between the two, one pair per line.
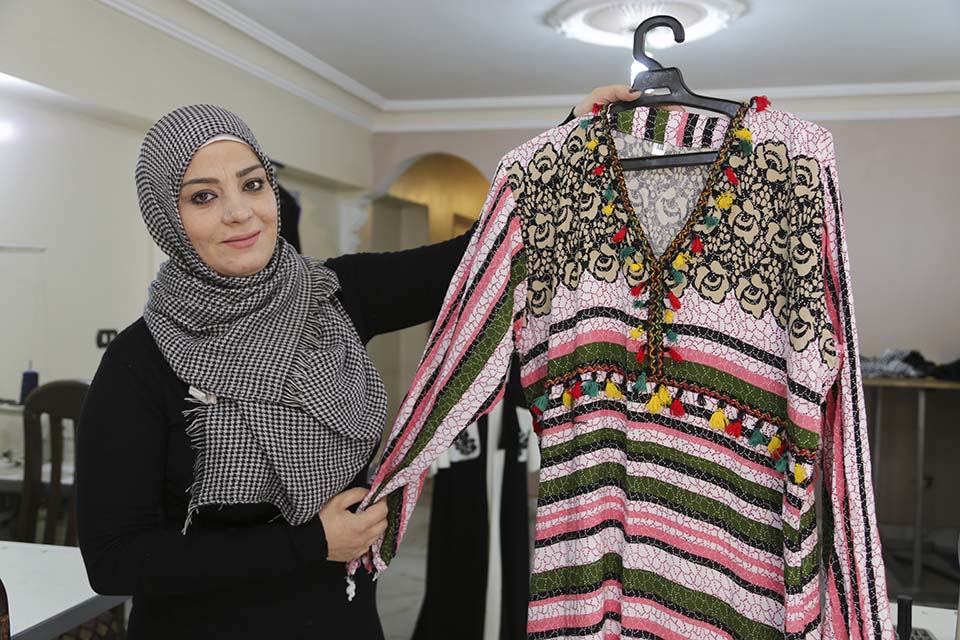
613,22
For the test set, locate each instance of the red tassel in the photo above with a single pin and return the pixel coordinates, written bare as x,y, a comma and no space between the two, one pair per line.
779,452
676,409
735,428
576,391
673,353
674,301
697,246
731,176
535,410
637,290
621,235
596,108
537,429
641,354
762,102
599,170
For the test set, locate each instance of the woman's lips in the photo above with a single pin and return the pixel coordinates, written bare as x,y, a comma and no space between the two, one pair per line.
244,241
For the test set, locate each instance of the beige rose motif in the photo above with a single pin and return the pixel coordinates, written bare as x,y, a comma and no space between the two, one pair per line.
806,178
752,294
540,294
604,263
828,348
772,160
801,328
776,238
565,215
544,165
804,251
575,147
712,281
745,221
589,202
542,233
516,178
781,310
572,271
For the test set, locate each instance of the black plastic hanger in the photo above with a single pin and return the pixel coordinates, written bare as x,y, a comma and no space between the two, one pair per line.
656,77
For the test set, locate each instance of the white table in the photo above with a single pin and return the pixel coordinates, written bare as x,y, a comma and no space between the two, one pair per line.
48,590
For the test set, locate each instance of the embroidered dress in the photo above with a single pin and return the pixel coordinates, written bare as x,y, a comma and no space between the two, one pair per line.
688,346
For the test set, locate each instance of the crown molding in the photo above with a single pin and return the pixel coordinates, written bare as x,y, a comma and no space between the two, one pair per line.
173,30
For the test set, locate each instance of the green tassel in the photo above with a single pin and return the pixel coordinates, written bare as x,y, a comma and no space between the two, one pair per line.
639,304
591,388
781,465
756,437
671,335
746,147
711,221
640,386
541,402
609,194
585,123
677,276
626,252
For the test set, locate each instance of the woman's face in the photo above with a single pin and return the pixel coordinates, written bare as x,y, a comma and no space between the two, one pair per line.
228,209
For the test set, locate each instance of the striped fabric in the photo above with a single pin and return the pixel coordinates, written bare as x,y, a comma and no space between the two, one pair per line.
686,401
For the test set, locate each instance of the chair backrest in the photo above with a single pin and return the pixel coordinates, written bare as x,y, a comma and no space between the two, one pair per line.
59,400
4,614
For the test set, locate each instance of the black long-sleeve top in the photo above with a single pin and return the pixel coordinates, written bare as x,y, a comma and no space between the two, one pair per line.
241,571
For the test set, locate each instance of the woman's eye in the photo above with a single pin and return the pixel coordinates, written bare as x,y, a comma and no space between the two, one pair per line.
202,197
253,185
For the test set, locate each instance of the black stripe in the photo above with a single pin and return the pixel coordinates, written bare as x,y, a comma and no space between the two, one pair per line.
663,546
734,343
855,402
650,125
813,624
707,139
688,129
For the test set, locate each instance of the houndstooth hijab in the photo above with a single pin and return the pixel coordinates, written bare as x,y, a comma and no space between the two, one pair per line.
289,407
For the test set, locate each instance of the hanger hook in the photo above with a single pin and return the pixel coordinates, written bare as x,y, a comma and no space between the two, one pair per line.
640,37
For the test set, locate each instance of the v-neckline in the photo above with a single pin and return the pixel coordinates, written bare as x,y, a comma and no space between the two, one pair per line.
694,216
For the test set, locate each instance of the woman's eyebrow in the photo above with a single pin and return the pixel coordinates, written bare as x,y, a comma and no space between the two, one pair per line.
240,174
244,172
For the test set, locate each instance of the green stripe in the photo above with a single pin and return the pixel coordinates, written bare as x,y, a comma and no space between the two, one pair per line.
467,370
773,498
625,121
671,494
685,600
609,351
389,546
794,576
793,535
660,126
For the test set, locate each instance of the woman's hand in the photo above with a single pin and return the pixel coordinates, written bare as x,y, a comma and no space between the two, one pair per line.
350,535
611,93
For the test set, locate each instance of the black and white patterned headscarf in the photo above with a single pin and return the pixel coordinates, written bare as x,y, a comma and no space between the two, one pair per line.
289,405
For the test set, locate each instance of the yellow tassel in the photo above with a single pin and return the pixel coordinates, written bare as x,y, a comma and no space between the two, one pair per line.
774,444
664,395
613,391
567,399
799,473
654,405
592,144
725,201
637,333
719,420
681,260
607,209
636,267
744,134
668,315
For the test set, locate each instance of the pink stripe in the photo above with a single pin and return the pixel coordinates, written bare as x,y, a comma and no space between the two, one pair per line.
638,623
590,338
681,127
573,620
812,596
633,528
534,376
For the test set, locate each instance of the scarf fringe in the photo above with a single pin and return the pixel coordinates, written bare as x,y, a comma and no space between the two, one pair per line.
195,430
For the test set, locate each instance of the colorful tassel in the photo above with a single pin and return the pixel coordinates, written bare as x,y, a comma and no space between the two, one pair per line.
673,353
719,420
608,195
654,405
676,275
731,176
612,390
799,473
711,221
746,147
636,333
593,144
676,408
640,386
762,103
596,108
541,403
674,300
620,236
636,267
591,388
774,445
697,245
781,465
637,289
637,304
577,390
607,209
744,134
671,335
735,428
664,395
585,123
668,316
756,437
725,201
567,399
599,170
641,354
681,260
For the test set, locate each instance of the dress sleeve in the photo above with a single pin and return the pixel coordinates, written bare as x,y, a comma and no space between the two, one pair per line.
856,603
128,547
464,366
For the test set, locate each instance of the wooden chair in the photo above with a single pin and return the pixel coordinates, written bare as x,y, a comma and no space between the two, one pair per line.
60,400
4,614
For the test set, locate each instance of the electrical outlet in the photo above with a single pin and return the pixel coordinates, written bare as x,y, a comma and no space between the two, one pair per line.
105,337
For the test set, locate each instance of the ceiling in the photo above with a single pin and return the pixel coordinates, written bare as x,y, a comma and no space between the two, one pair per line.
444,49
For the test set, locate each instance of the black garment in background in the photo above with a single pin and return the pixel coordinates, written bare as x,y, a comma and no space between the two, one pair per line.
240,571
459,542
289,218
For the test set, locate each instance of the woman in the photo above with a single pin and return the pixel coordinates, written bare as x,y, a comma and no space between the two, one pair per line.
227,433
